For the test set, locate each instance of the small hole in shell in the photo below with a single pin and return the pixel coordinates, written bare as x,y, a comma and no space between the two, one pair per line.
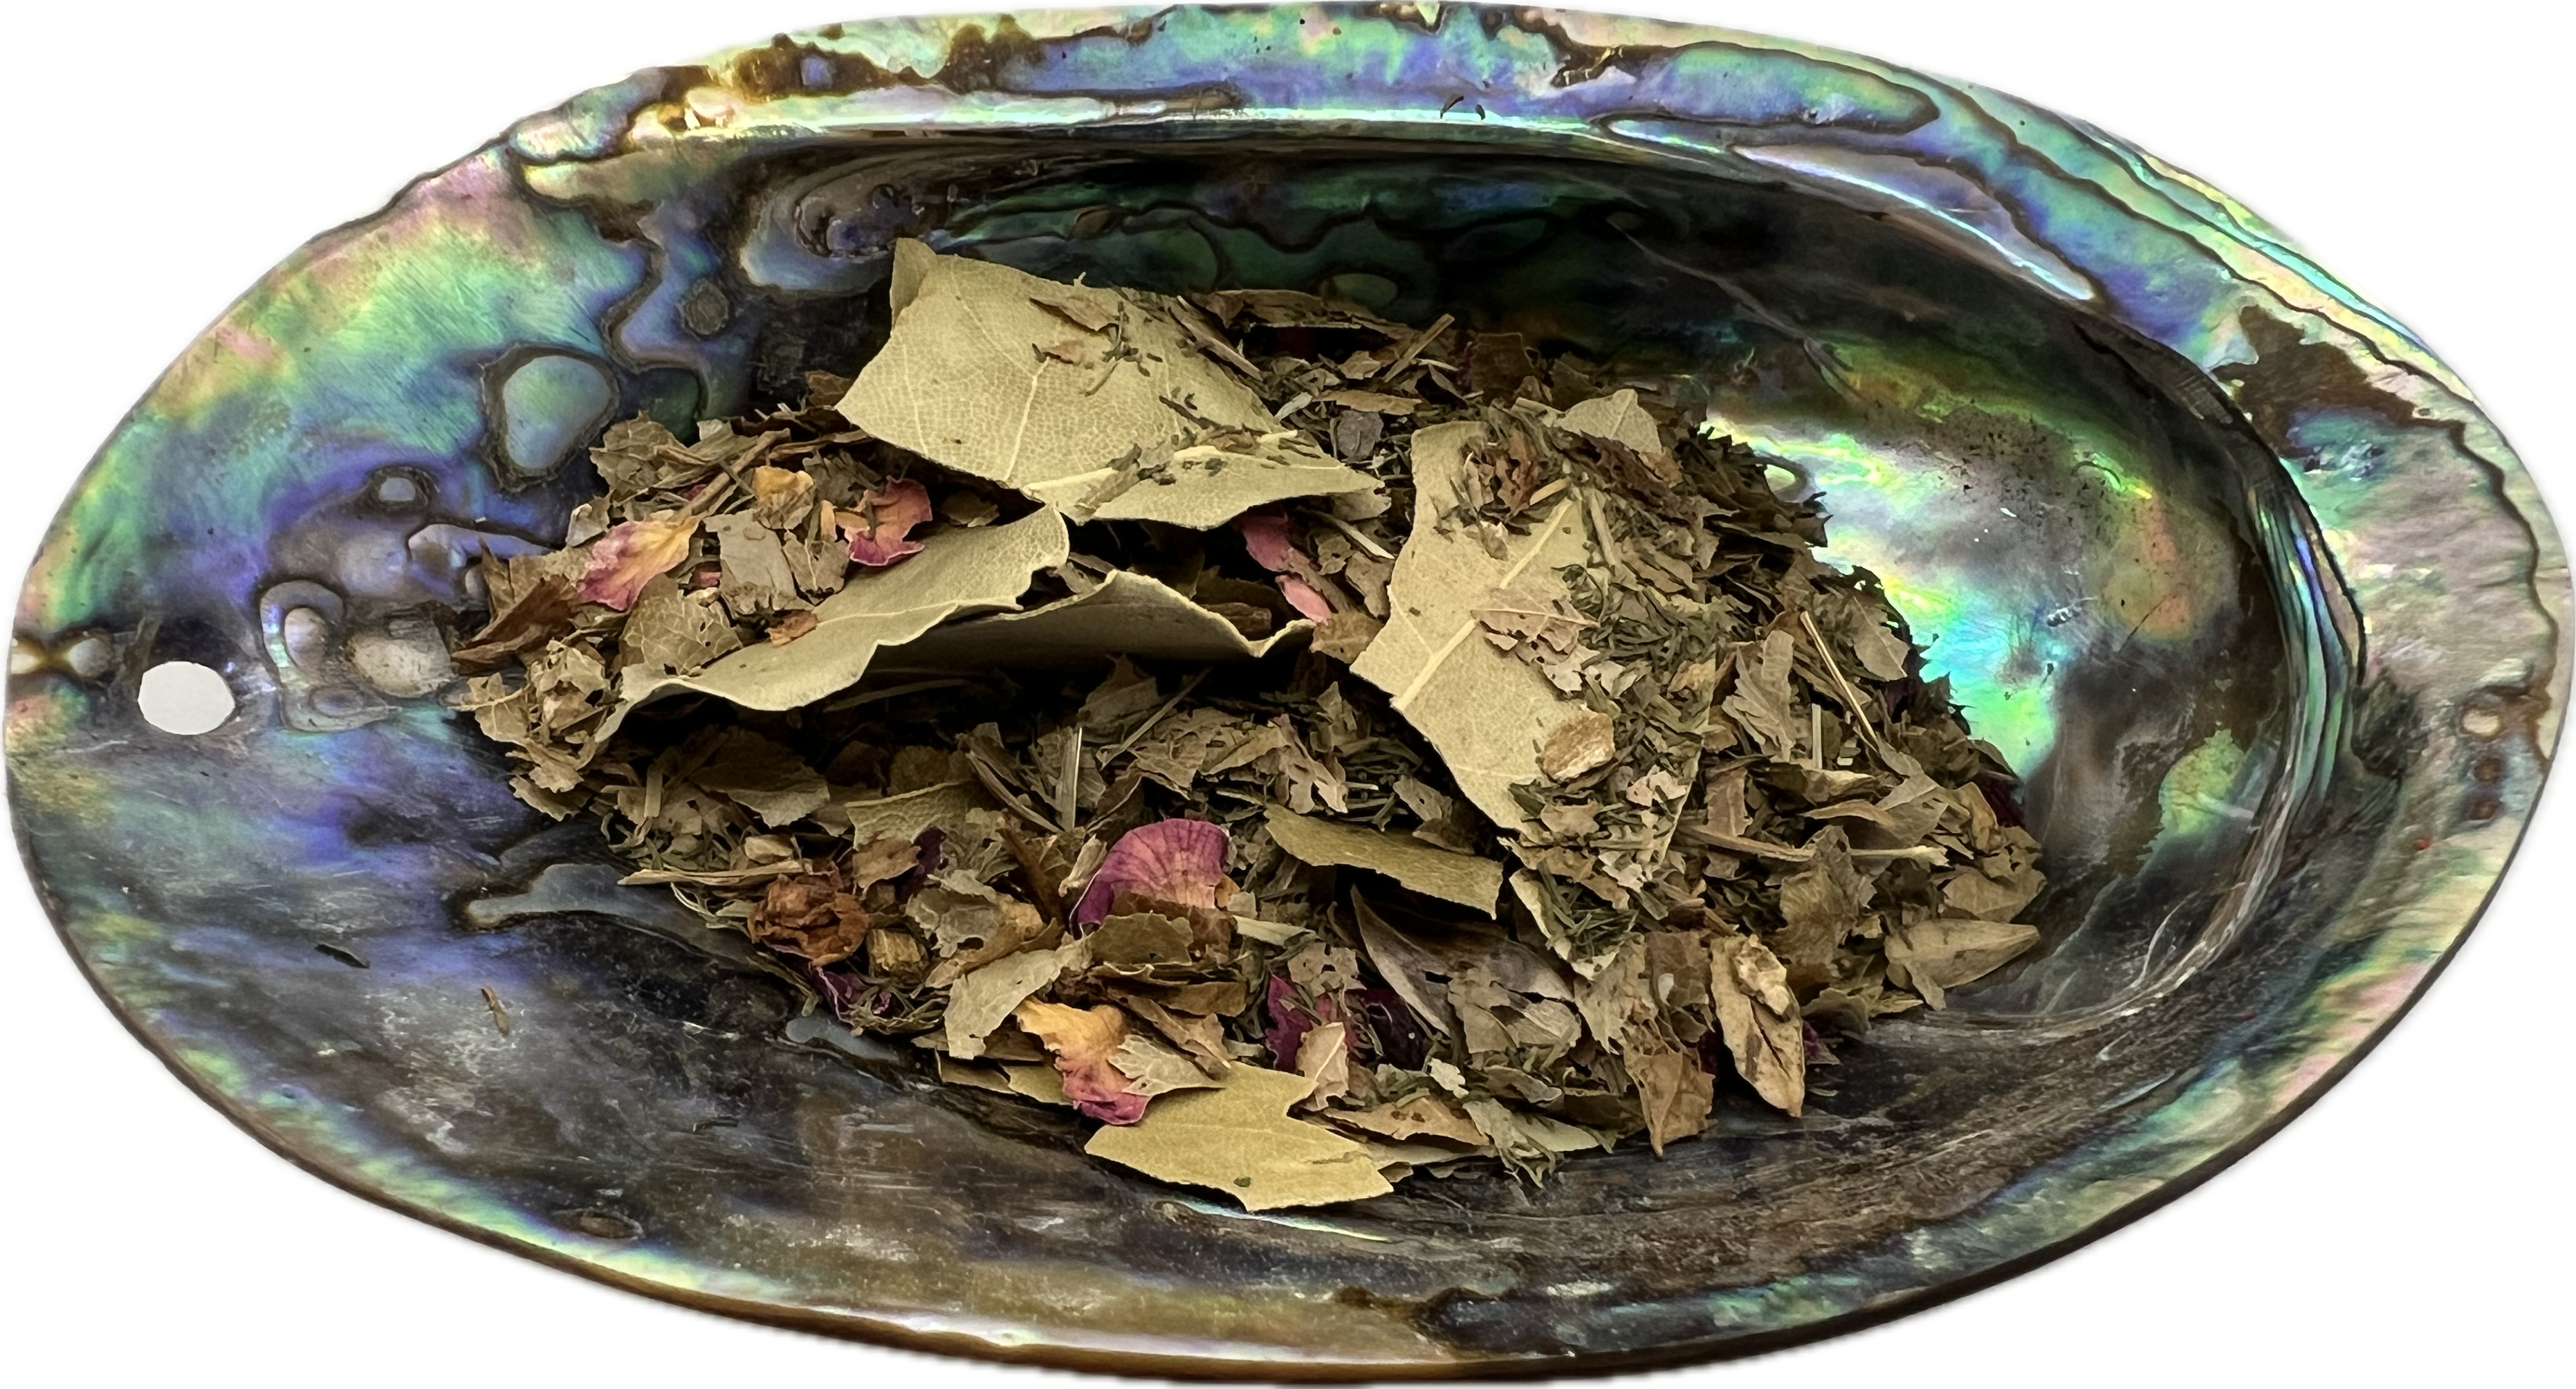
185,698
2481,722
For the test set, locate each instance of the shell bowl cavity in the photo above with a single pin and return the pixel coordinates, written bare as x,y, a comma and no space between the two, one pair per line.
2233,571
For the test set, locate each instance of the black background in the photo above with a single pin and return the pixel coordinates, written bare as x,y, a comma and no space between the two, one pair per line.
158,166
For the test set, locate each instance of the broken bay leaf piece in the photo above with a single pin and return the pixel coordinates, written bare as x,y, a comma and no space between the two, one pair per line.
1141,938
1238,1139
1581,744
984,997
1422,1116
1154,1068
1933,957
1464,879
763,777
1675,1093
907,815
1127,614
969,378
1764,703
1486,712
1618,418
968,571
1758,1017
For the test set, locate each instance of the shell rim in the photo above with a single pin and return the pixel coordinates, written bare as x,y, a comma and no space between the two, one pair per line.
2175,1197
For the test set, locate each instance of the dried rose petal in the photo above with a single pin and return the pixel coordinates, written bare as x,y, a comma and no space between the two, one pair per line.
1291,1020
1179,861
1081,1040
1303,597
630,555
879,525
1265,534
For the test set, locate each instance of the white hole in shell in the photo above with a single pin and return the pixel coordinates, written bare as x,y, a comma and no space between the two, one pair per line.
185,698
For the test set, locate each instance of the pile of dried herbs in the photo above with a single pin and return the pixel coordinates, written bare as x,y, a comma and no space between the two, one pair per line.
1316,748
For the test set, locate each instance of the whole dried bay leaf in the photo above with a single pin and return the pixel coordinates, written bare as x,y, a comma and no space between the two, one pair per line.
1464,879
1128,613
1933,957
969,379
963,571
1486,712
1238,1139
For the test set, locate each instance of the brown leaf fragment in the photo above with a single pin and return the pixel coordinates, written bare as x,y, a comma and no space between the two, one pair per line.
782,498
1422,1116
1238,1139
1141,938
1970,892
762,777
1675,1093
896,954
791,625
1345,636
500,1015
1820,904
542,612
1763,703
986,996
1200,1036
1758,1018
1582,743
1933,957
1324,1057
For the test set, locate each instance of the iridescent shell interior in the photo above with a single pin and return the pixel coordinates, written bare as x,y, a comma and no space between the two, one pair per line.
2233,571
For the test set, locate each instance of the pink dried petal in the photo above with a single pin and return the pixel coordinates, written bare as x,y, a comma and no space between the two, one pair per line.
1265,534
1303,597
1081,1040
1290,1021
879,526
632,552
1179,861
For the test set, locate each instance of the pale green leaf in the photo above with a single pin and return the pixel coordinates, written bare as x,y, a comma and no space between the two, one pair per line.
1239,1140
1464,879
1485,711
963,571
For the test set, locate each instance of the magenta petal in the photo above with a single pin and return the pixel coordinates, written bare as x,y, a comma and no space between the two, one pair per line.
1121,1108
1303,597
1289,1023
1265,534
1178,861
880,527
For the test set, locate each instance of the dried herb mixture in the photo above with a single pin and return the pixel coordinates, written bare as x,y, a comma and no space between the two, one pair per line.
1317,748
